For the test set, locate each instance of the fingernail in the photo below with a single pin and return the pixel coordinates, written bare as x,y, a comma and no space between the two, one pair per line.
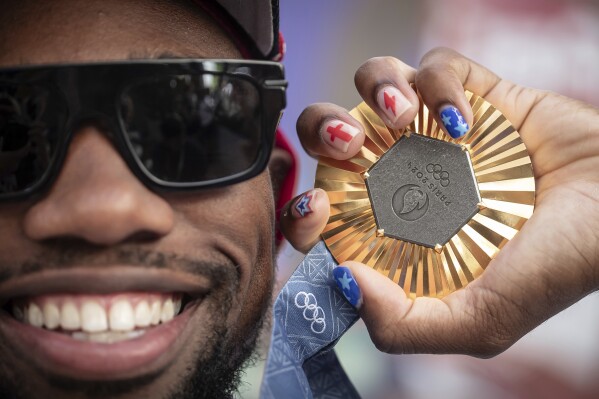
454,122
392,102
347,286
339,134
303,205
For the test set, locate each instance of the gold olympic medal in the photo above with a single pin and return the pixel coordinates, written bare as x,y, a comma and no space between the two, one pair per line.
428,211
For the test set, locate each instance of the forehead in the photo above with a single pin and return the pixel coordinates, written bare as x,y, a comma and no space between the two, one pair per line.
57,31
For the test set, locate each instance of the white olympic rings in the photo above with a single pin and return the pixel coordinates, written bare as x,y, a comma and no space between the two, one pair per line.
312,312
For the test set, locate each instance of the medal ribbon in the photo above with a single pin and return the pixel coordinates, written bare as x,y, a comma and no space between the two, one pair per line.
310,315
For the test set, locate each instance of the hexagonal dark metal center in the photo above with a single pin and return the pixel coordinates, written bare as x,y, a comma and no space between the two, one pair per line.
423,190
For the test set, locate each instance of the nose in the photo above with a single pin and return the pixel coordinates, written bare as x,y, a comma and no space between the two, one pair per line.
97,198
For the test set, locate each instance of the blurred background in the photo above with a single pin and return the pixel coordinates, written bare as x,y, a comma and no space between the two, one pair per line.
547,44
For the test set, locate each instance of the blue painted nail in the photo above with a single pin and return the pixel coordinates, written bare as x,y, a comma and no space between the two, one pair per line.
348,286
454,122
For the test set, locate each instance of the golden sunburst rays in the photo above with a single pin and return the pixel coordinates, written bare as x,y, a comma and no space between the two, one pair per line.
502,168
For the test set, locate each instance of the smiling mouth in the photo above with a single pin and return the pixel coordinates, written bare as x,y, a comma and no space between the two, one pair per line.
111,323
106,319
98,318
107,306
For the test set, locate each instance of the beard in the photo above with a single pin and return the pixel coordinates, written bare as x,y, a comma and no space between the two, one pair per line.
219,376
216,377
215,373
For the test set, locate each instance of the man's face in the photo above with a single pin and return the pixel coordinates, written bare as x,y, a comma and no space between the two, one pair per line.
102,262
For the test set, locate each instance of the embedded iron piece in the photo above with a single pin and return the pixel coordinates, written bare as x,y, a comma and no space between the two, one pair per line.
423,190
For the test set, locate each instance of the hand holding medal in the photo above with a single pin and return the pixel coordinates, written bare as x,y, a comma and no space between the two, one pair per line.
430,192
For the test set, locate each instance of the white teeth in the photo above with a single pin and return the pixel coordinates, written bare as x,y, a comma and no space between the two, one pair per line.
107,337
88,318
177,305
93,317
143,316
121,316
51,316
69,317
168,311
156,312
35,316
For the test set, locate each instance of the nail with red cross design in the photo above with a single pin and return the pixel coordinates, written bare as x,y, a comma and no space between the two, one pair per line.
392,103
339,134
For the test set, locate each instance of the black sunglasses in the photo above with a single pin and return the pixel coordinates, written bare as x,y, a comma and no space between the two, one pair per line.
179,124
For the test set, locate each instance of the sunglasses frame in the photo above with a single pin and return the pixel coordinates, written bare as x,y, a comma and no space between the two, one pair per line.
92,93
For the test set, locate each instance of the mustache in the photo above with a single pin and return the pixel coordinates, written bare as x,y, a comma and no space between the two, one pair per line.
69,253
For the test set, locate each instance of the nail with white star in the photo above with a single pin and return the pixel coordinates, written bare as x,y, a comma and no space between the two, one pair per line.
303,205
347,285
453,121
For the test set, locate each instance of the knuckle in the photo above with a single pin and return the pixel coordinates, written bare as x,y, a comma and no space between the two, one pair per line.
441,60
432,83
438,53
488,343
385,332
459,66
494,328
365,70
393,334
490,347
434,71
427,75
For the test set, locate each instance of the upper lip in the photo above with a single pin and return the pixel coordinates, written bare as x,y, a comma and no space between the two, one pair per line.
105,280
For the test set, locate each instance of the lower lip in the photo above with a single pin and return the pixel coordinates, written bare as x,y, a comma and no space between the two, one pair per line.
60,354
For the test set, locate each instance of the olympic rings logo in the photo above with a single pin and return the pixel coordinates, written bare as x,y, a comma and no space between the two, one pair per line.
438,173
312,312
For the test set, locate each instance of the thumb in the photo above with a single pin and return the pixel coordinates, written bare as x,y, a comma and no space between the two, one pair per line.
398,324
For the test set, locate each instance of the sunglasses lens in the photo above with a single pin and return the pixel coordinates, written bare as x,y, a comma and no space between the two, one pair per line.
193,128
30,123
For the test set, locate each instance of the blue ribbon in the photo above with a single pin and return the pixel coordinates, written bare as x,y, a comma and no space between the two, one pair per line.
310,316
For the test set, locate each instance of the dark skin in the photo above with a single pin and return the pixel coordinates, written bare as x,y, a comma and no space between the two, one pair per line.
553,261
99,209
98,218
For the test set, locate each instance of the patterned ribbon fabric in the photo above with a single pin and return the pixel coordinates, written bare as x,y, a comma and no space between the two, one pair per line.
310,315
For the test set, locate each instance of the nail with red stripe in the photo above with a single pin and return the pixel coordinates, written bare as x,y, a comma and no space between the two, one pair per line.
393,103
339,134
